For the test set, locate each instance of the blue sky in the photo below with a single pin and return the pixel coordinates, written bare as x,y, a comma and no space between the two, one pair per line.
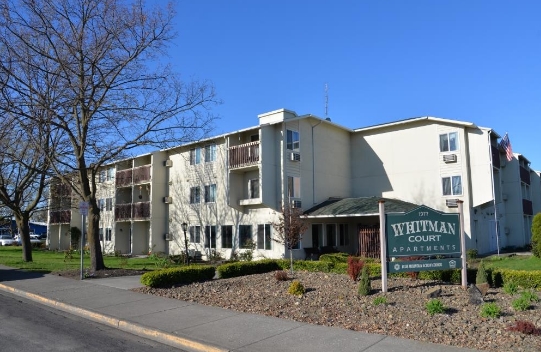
387,60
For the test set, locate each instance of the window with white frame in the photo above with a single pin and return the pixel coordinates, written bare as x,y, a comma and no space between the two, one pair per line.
245,236
264,236
253,188
103,175
294,187
195,234
109,204
292,140
210,236
449,142
317,235
226,233
195,156
108,234
110,173
343,239
101,203
330,230
195,195
452,185
101,233
210,193
210,153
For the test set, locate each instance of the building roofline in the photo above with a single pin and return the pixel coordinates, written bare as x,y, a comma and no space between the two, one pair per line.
416,119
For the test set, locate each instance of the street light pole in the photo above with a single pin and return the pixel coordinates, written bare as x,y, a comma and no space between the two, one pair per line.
184,228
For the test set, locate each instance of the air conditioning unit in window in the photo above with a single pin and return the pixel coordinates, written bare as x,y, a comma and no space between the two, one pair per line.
449,158
295,156
168,200
296,204
168,237
451,203
168,163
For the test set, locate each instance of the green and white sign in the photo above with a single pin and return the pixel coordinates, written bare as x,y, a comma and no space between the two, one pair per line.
422,232
422,265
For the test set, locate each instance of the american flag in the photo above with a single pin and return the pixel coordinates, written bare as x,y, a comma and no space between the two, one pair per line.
505,144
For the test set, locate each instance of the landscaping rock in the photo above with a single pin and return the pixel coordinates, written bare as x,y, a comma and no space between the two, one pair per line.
475,295
434,292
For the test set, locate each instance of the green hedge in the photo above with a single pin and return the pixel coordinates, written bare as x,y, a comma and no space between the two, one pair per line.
247,268
174,276
524,279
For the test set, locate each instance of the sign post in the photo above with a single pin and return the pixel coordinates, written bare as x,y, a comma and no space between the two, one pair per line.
83,209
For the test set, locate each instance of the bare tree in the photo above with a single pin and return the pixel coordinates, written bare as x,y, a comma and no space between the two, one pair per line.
23,173
289,228
101,60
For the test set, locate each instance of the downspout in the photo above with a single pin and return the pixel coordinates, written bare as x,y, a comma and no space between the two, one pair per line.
314,165
493,193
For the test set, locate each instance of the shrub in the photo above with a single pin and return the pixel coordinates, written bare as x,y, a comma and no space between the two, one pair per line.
172,276
482,276
296,288
471,253
521,304
355,265
525,327
530,295
334,257
248,254
247,268
536,235
510,288
280,275
435,306
379,300
364,284
490,310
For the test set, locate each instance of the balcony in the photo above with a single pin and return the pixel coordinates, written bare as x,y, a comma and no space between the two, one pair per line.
135,211
244,155
524,175
60,217
495,157
527,207
133,176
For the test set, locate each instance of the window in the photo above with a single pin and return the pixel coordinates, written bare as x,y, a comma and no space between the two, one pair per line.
227,236
245,236
452,185
101,204
109,204
195,234
210,236
195,195
294,187
101,234
292,140
195,156
343,239
253,186
449,142
264,236
254,138
331,234
103,175
110,174
317,235
210,153
108,234
210,193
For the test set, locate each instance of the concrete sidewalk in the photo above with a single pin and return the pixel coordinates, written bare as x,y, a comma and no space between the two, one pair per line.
191,326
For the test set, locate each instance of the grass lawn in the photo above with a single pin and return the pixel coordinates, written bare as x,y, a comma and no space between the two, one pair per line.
515,262
48,261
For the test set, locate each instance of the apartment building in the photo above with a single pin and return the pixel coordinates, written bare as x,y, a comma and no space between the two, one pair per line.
223,194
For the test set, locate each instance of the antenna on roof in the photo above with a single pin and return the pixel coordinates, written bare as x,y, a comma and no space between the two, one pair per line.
326,101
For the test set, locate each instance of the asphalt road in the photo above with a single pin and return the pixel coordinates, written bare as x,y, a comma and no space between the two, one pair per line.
26,326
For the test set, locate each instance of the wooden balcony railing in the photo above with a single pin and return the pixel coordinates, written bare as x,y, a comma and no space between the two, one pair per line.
60,217
136,175
136,211
244,155
524,175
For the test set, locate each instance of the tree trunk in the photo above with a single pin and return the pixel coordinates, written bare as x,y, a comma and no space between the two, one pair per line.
93,237
291,260
24,233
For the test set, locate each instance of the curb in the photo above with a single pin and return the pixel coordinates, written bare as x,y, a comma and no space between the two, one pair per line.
126,326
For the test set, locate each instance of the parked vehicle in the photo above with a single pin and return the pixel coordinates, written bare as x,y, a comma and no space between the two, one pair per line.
7,240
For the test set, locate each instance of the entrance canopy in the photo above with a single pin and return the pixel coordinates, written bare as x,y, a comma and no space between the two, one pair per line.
361,206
